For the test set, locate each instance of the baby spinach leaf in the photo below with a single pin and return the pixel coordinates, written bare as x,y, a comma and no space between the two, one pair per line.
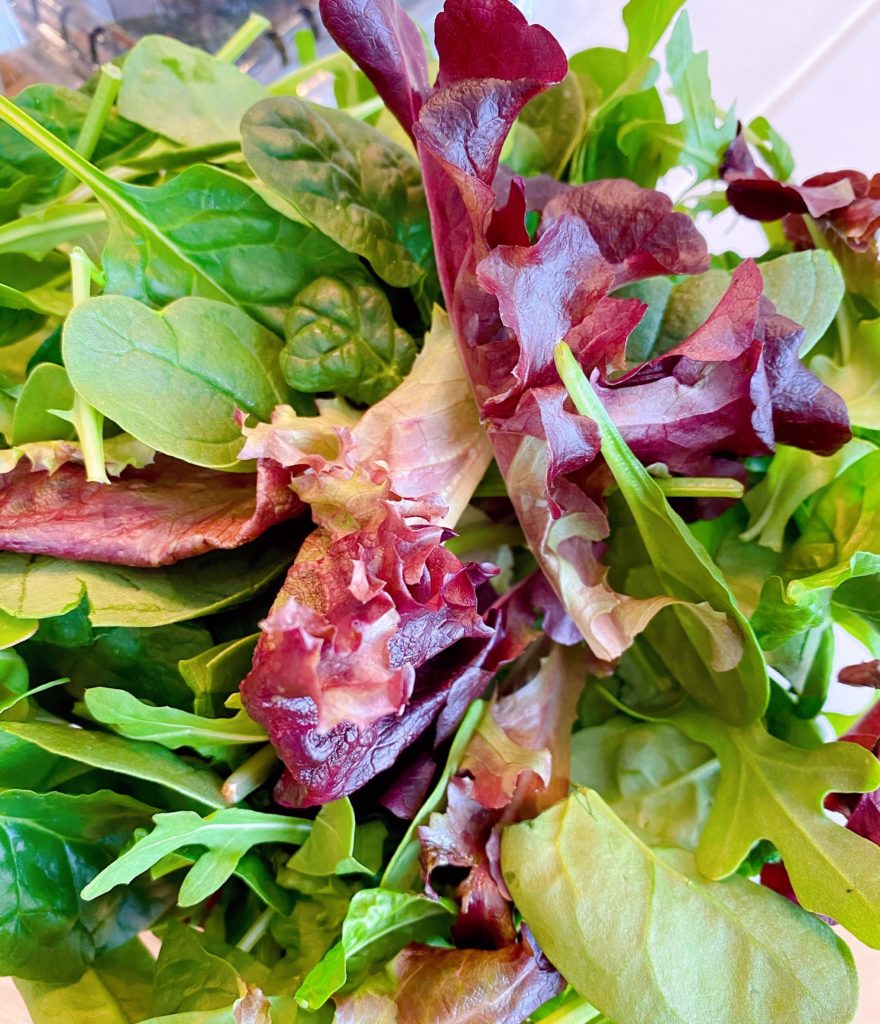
770,790
146,761
143,662
347,179
215,673
736,690
162,246
188,977
39,587
47,387
114,990
60,112
170,727
184,93
14,630
807,287
623,931
52,844
341,336
199,360
379,923
651,775
228,834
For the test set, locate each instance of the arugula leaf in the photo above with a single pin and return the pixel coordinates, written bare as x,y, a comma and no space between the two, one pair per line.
651,775
646,21
379,923
700,139
170,727
146,761
198,360
52,844
737,690
347,179
114,990
215,673
772,147
184,93
771,790
228,834
623,932
39,587
341,336
329,848
161,247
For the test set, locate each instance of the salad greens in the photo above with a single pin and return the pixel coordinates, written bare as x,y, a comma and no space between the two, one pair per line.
276,744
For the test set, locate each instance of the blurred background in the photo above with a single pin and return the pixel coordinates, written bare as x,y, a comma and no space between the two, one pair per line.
810,66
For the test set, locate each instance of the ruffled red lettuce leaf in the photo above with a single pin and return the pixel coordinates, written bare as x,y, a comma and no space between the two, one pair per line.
455,849
148,517
378,629
458,986
841,207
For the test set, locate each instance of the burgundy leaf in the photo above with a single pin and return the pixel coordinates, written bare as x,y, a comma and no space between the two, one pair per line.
473,986
388,47
636,229
148,517
866,673
458,839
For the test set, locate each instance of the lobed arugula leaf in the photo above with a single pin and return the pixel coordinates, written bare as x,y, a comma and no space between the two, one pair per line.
771,790
738,689
170,727
378,924
623,932
228,835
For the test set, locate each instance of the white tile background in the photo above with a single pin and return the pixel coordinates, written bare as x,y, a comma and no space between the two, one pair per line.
809,65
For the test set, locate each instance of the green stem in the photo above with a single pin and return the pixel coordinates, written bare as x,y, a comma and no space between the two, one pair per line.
403,862
574,1010
243,39
289,85
256,931
252,774
87,421
483,537
700,487
106,91
362,111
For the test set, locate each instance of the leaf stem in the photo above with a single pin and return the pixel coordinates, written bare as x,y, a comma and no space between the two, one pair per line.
106,91
700,487
289,85
248,776
87,421
399,870
243,38
256,931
